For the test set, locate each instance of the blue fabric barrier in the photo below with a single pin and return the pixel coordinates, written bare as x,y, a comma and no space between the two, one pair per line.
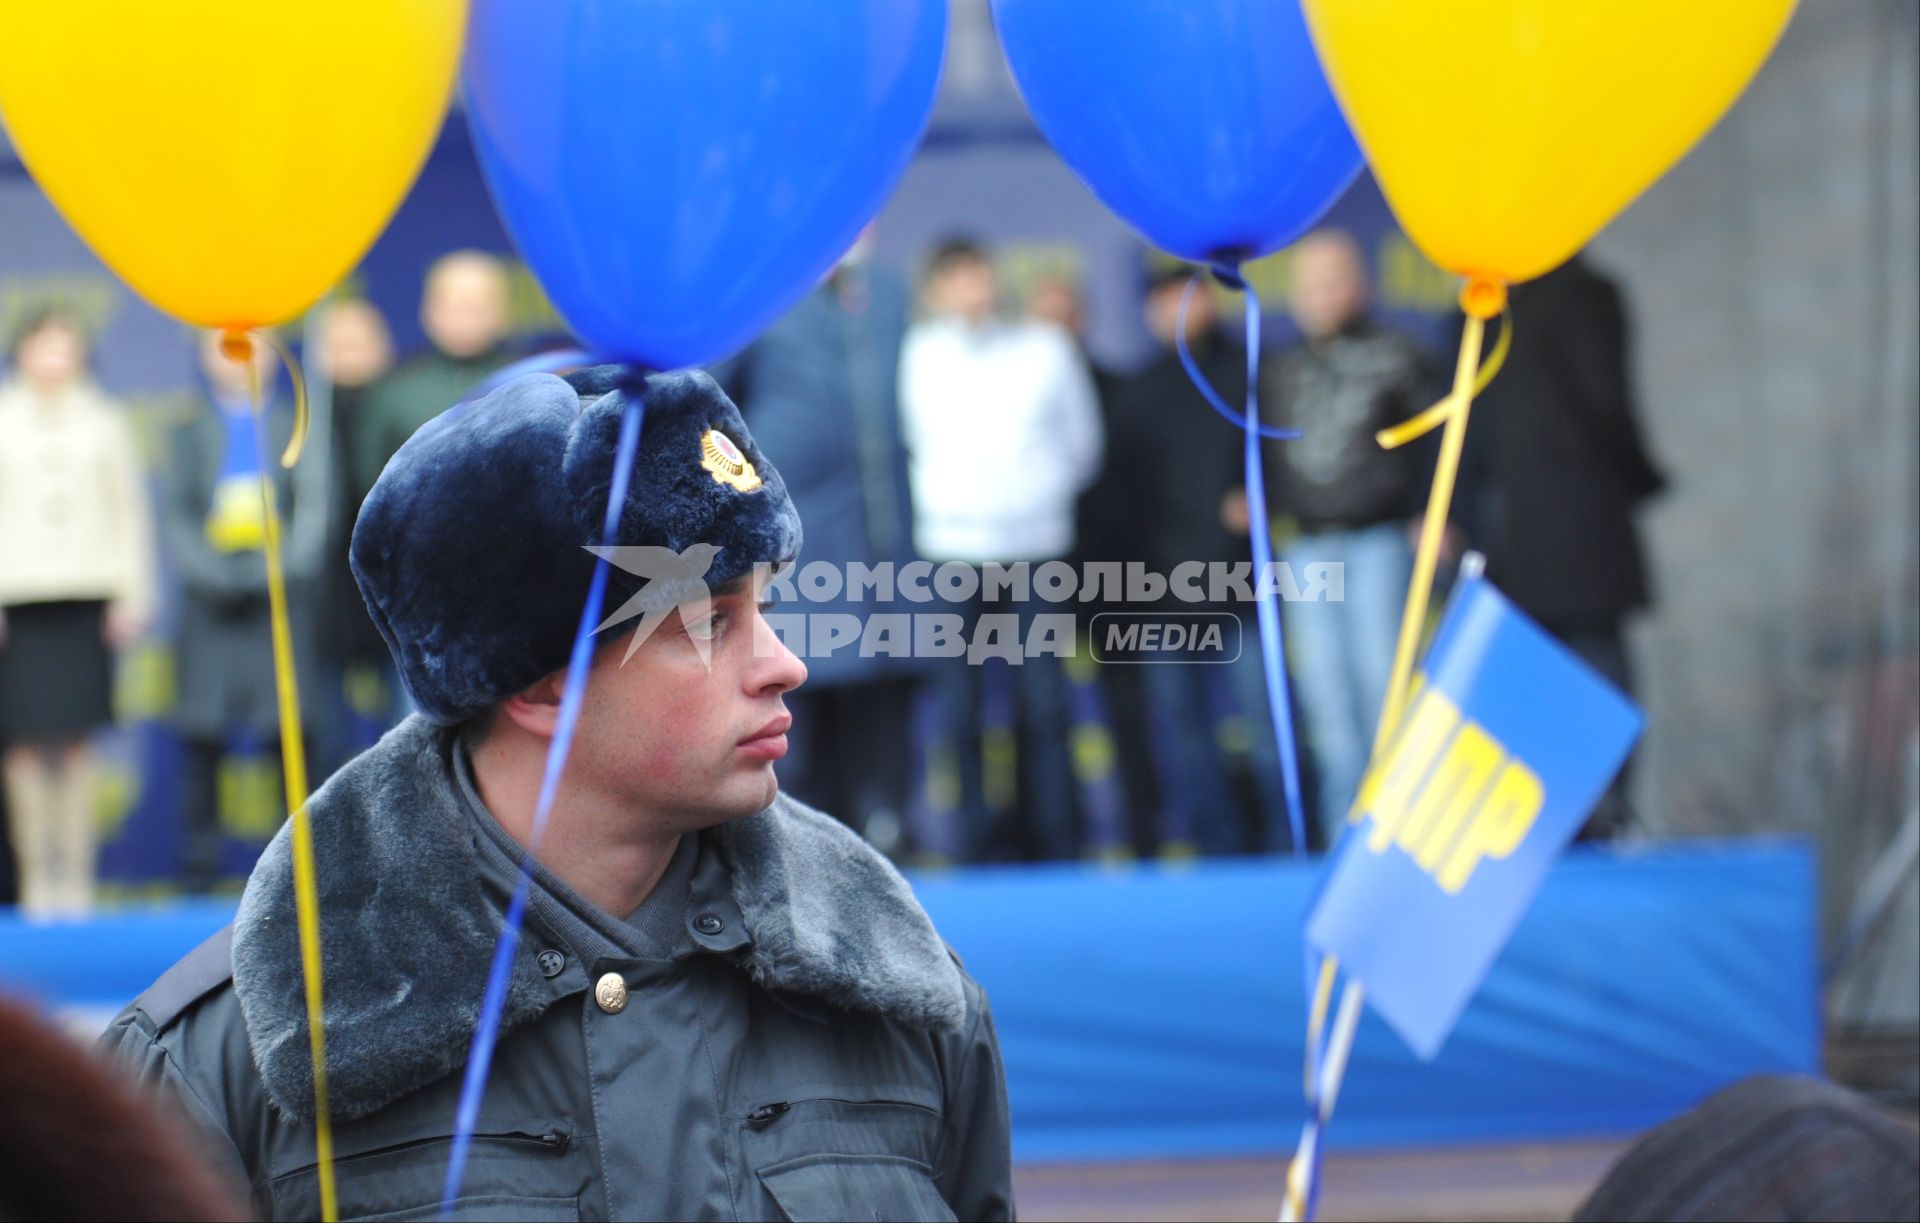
1157,1012
1151,1013
105,962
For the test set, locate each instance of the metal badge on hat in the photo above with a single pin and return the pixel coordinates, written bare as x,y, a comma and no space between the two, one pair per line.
720,456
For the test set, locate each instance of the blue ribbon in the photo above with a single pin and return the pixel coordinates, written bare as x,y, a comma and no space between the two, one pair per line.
1226,275
1272,647
487,1033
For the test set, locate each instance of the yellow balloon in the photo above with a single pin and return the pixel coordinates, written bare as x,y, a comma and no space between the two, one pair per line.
231,159
1506,133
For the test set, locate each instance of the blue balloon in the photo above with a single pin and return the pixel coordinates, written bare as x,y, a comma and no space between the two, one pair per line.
1207,125
678,173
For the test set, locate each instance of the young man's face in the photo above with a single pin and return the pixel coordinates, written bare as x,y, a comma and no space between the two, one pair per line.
965,287
53,355
692,740
464,308
1329,284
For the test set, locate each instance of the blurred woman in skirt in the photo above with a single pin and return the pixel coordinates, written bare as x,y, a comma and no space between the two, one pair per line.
76,584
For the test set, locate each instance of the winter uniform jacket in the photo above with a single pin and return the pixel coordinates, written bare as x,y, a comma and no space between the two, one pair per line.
801,1046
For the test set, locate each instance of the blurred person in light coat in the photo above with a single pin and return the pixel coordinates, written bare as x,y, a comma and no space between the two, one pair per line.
76,584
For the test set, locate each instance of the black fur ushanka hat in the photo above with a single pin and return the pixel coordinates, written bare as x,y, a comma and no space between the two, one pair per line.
472,549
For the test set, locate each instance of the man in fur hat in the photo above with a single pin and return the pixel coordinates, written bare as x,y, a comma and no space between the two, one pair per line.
724,1004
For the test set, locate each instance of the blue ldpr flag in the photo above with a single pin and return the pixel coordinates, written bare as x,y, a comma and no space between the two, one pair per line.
1506,742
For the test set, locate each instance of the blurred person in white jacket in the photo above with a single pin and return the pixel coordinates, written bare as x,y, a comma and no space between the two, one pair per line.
1000,420
1002,429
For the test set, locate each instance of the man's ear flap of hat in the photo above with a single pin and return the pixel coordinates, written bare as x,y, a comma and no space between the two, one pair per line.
465,551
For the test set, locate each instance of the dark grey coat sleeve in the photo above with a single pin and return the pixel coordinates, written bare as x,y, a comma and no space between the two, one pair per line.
133,1045
975,1172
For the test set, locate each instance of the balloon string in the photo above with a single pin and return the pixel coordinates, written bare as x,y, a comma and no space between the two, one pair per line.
1199,380
238,346
1273,655
486,1033
1325,1071
302,416
1301,1200
1272,646
1395,436
1413,616
1321,973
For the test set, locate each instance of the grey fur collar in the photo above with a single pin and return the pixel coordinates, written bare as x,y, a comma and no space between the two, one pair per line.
402,913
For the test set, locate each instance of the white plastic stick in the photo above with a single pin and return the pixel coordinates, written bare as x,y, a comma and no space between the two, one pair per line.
1333,1071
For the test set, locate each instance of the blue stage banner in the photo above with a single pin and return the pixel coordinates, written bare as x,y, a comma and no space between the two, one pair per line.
1506,742
1154,1012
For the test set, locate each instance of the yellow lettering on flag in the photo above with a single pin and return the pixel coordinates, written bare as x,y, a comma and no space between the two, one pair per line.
1497,828
1387,790
1447,793
1449,797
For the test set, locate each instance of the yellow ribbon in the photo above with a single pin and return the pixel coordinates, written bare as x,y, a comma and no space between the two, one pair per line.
1317,1016
1453,411
239,346
1395,436
1295,1206
301,423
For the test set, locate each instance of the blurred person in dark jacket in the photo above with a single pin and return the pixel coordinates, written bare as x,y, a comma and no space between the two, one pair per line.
352,350
215,531
1556,471
1769,1149
465,311
1165,498
1057,299
1350,501
819,389
1108,519
1110,780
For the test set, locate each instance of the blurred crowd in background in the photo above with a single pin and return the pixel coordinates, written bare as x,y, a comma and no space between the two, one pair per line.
921,413
1770,275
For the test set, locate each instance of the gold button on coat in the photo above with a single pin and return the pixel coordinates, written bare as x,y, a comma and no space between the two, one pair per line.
610,991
